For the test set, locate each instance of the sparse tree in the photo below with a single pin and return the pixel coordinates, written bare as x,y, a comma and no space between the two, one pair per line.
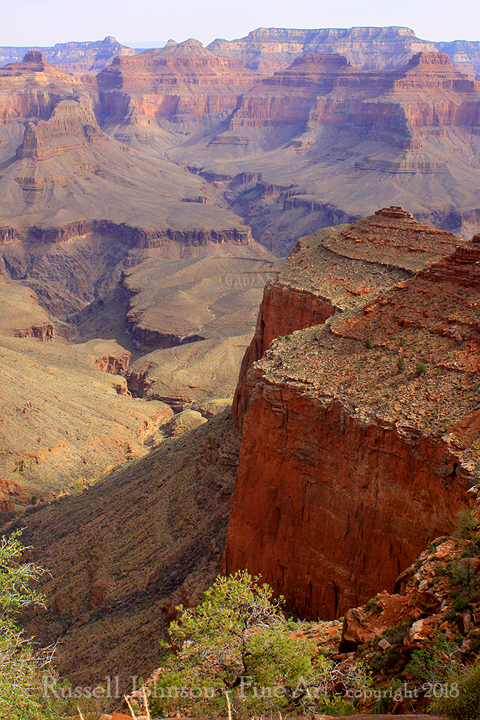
239,642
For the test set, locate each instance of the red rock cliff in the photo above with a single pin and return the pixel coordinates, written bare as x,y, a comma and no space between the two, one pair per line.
349,463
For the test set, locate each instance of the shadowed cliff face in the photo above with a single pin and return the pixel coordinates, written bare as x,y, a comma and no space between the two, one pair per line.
349,463
125,553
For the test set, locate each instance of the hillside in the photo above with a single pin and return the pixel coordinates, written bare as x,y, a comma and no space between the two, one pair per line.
124,552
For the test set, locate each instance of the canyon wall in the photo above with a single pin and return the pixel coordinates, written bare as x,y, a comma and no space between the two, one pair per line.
267,50
360,436
330,506
180,83
325,88
75,58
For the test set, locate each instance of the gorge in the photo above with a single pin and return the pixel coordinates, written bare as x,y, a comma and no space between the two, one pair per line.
154,206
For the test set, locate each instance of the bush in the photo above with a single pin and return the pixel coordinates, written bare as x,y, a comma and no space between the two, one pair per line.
369,344
433,664
401,365
420,369
463,699
373,606
238,642
466,523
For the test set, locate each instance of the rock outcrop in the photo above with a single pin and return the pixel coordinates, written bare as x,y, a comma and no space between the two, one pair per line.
360,440
434,609
337,269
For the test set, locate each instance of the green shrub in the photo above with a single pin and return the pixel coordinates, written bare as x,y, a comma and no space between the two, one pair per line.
420,369
401,365
433,664
459,604
369,344
239,642
373,606
466,523
462,701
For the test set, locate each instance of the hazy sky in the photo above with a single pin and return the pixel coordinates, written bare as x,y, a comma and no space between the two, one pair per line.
45,22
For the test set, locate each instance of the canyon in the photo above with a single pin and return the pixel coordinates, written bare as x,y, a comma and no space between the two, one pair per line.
332,450
76,58
147,204
323,142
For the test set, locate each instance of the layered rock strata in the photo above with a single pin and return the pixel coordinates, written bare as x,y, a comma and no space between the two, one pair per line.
324,142
359,441
75,58
267,50
180,83
61,170
325,88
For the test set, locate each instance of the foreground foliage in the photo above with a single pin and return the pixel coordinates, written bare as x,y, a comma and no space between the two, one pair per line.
465,703
239,643
22,671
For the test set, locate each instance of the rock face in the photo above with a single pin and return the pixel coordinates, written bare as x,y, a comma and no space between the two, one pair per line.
464,54
424,603
75,58
270,49
180,83
337,269
360,434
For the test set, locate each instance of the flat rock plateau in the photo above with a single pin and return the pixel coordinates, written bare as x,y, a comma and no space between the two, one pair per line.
148,201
